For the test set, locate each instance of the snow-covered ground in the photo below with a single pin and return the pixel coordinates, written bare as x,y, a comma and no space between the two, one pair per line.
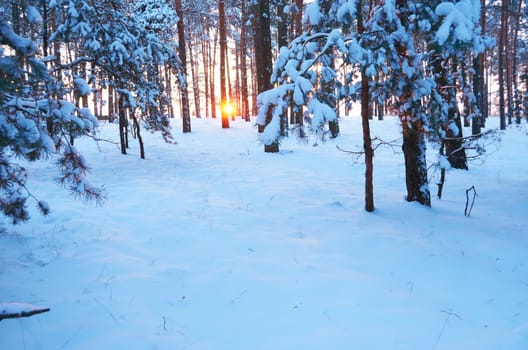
212,244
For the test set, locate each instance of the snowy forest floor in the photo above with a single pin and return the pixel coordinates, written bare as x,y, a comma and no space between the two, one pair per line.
212,244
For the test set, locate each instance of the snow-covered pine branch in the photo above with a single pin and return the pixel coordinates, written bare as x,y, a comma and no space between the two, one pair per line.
36,121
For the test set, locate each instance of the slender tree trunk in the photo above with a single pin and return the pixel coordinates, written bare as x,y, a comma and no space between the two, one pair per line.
111,104
503,39
442,173
514,65
236,97
298,111
282,41
367,143
182,74
478,82
45,27
195,82
223,69
137,131
243,65
509,62
365,124
212,76
123,132
168,80
206,51
229,85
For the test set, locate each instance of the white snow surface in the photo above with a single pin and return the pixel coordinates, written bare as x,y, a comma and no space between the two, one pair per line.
213,244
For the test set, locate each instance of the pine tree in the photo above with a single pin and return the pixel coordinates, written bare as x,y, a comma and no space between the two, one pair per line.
387,51
124,52
31,101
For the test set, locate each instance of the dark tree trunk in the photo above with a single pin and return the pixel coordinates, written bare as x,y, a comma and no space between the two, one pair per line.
484,87
263,58
503,39
478,85
367,143
15,15
415,163
123,132
514,65
45,27
442,174
137,131
365,124
182,74
243,65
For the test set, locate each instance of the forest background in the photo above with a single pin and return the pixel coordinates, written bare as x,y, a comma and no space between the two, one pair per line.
68,64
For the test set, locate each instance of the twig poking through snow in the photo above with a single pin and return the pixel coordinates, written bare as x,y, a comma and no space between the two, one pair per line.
449,314
467,211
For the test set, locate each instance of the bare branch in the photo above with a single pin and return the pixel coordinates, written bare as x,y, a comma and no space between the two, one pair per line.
19,310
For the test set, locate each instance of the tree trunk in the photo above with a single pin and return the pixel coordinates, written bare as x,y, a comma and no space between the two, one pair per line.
263,59
514,65
15,15
282,41
168,79
111,104
195,82
503,39
123,138
367,143
414,146
45,27
298,111
456,154
182,74
415,163
365,124
206,57
137,131
212,61
243,65
478,82
223,69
